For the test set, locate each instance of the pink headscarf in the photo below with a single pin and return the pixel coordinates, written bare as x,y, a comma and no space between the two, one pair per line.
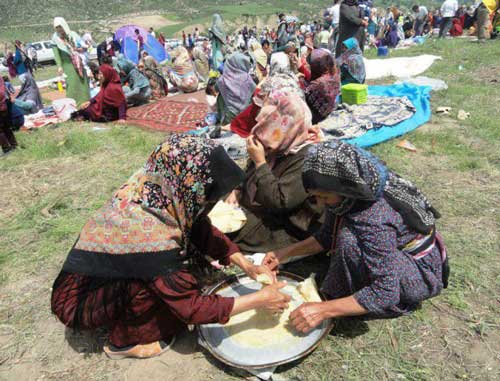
284,125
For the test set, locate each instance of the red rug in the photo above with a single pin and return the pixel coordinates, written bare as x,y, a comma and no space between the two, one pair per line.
168,115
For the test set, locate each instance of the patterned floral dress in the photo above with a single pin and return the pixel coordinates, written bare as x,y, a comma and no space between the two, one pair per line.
367,260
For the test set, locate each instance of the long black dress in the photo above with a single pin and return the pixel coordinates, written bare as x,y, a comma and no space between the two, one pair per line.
350,26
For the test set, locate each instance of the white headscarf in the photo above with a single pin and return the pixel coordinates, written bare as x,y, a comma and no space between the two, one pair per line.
60,21
280,63
72,36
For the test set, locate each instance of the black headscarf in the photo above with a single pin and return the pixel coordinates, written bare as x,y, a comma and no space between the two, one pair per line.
351,2
358,175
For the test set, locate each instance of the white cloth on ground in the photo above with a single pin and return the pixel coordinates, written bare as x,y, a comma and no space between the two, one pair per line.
63,109
400,67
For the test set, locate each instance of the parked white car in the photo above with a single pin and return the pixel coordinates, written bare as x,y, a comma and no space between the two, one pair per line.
172,43
3,68
45,54
44,51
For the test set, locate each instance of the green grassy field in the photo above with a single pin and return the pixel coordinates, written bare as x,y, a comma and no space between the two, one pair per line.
62,175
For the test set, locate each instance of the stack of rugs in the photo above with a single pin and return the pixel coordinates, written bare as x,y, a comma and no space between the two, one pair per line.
391,111
353,120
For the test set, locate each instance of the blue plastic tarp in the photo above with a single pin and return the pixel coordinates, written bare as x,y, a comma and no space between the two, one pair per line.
418,95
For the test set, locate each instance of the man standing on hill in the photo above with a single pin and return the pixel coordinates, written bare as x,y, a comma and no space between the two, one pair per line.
335,12
421,15
448,11
282,37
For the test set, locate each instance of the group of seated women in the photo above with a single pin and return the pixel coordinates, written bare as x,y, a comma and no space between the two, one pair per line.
138,266
134,85
316,76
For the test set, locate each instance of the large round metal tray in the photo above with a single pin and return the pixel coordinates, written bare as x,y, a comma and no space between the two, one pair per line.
217,341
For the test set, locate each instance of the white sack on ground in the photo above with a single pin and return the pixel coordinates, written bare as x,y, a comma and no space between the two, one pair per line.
400,67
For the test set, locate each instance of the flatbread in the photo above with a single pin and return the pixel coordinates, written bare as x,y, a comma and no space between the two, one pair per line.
309,290
264,279
227,218
261,328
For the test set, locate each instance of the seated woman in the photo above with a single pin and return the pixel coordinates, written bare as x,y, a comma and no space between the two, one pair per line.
137,266
109,104
322,91
138,91
8,140
280,77
386,255
305,62
260,58
391,38
158,84
182,73
235,87
350,62
29,100
456,29
279,210
201,64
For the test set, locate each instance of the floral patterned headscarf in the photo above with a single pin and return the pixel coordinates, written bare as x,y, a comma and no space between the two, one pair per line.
284,124
147,226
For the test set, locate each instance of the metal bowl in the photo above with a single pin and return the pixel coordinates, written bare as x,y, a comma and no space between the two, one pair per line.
216,339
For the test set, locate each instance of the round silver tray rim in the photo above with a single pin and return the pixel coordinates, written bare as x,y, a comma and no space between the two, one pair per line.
235,278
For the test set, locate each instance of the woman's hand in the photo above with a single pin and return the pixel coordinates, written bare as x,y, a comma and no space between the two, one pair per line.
256,151
272,299
121,121
253,271
271,261
84,105
308,316
232,199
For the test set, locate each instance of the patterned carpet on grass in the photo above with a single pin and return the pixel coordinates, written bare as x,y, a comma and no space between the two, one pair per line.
168,115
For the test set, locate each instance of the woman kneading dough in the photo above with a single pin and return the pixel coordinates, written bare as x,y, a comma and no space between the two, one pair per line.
386,255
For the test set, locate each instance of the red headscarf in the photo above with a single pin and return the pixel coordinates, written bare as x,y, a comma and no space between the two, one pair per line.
111,93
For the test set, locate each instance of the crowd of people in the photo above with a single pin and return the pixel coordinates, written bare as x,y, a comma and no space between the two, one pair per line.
138,266
318,56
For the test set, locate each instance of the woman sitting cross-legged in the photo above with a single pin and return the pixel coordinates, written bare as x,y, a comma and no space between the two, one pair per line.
278,209
386,255
137,266
322,91
29,99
